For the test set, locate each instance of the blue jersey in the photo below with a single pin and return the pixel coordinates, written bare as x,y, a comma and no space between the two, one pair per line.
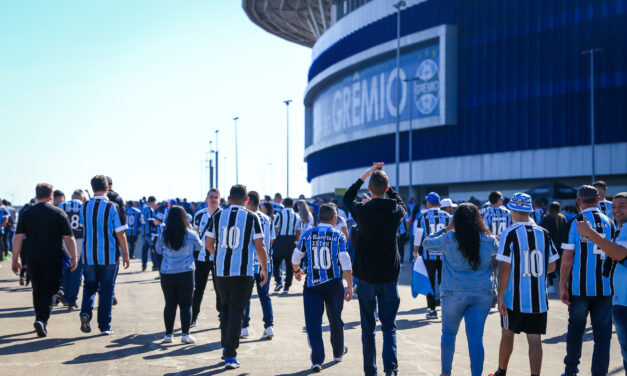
529,250
72,209
287,222
146,219
132,221
4,215
321,247
606,208
268,235
587,277
100,220
429,222
276,208
497,219
619,271
234,229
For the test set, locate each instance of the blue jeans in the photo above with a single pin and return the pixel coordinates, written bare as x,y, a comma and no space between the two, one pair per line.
146,248
266,304
599,308
101,279
474,310
619,314
71,283
330,295
385,298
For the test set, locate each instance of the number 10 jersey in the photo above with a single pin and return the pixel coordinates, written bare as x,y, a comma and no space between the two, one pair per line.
321,247
529,250
234,229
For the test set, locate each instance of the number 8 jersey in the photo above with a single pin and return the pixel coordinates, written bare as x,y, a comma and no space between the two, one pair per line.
234,229
529,250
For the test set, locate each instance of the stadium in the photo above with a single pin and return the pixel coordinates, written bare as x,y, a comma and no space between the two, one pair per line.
494,94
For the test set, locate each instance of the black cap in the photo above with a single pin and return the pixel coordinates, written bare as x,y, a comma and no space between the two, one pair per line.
587,191
152,199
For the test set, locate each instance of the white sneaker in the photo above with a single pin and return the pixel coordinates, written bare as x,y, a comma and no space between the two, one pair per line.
188,339
167,338
244,333
268,333
106,332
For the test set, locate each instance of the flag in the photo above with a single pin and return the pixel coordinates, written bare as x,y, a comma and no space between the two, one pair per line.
420,279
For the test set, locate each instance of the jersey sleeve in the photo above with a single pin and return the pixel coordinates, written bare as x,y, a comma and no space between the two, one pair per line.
572,237
212,225
622,236
504,252
419,233
552,249
115,220
272,230
486,218
257,229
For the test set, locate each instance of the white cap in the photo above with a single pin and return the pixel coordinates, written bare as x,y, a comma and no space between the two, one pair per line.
447,203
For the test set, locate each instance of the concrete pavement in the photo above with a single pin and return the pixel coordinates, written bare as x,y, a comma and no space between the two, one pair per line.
136,346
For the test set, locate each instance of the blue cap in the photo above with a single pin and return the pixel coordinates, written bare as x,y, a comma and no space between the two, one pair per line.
433,198
173,202
520,202
160,216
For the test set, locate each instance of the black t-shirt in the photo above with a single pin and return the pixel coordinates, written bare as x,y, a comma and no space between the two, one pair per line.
44,225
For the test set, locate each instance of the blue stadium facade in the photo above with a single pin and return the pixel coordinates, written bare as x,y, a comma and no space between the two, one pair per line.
497,92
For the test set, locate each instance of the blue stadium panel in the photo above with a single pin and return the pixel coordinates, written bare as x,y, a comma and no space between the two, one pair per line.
522,81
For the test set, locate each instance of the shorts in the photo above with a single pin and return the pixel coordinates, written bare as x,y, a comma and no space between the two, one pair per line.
530,323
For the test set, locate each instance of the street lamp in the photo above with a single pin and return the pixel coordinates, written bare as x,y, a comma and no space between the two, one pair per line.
236,162
217,186
591,53
287,159
397,139
411,113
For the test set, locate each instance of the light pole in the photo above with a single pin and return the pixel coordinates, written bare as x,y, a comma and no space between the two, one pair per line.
411,113
236,162
217,186
591,53
287,159
210,165
397,138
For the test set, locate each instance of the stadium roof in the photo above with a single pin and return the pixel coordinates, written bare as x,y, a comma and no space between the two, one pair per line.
299,21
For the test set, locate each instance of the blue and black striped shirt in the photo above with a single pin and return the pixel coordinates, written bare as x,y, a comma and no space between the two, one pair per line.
287,222
132,221
321,247
101,220
72,209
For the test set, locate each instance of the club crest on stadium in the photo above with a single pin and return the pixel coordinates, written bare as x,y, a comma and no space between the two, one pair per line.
427,88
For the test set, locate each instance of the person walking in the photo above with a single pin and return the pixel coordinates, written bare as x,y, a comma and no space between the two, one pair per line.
325,260
133,216
555,223
527,255
177,245
377,264
263,292
46,227
617,254
229,237
103,231
205,264
72,279
287,227
147,224
466,291
585,288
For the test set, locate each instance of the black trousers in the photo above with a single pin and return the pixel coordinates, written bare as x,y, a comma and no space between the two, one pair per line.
201,277
132,240
178,289
234,295
45,276
282,249
434,269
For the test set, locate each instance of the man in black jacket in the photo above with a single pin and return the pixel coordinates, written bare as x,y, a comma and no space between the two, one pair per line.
377,264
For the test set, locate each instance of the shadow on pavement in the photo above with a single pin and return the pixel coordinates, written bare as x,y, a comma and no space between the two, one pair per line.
325,366
587,336
130,345
202,371
183,350
38,344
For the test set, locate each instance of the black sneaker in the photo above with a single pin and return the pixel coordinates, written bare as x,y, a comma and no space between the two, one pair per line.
432,315
40,328
115,301
278,288
316,368
85,327
339,358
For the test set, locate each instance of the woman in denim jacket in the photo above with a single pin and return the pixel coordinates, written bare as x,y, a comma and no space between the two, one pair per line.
177,244
467,289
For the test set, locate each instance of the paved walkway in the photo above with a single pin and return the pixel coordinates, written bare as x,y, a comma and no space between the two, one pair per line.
136,347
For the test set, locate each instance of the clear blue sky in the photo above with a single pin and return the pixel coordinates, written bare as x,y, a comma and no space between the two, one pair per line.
136,89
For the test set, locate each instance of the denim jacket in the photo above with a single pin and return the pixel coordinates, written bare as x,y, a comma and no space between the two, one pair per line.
458,277
181,260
